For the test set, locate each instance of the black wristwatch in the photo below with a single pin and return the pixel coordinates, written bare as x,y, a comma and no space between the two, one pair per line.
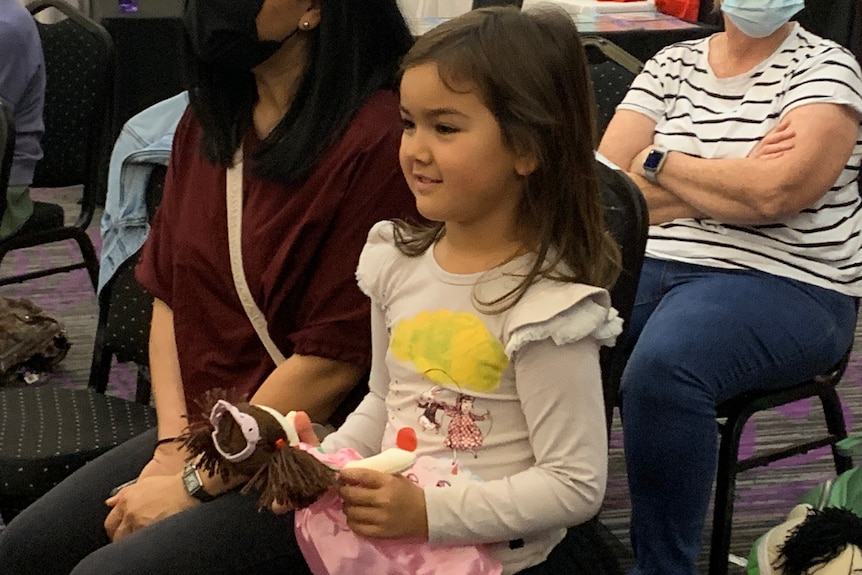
192,483
654,163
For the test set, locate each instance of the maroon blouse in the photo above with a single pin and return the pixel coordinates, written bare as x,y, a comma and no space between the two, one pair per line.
300,244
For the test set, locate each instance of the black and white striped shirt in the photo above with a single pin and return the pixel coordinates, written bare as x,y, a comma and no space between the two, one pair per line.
709,117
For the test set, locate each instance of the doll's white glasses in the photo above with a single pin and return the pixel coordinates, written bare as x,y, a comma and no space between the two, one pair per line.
249,427
247,424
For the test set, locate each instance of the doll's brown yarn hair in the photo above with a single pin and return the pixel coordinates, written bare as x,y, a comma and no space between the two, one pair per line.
278,471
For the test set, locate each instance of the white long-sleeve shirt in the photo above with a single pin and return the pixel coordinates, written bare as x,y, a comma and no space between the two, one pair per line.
514,398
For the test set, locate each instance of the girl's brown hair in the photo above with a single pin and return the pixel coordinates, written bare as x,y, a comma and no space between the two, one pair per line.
531,71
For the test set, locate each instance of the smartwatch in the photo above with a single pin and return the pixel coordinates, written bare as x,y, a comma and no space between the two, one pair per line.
193,485
654,163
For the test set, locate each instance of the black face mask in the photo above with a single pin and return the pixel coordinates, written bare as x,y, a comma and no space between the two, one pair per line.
223,33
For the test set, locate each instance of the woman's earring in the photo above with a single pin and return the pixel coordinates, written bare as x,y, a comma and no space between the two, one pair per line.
306,25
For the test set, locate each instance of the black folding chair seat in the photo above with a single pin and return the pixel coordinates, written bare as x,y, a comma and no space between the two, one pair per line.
47,433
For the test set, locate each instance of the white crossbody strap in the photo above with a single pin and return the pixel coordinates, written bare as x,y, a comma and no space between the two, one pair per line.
234,232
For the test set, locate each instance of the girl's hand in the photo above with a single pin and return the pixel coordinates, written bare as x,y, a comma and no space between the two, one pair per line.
382,505
773,145
149,500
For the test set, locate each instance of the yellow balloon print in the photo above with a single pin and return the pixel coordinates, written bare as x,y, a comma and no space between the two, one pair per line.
451,348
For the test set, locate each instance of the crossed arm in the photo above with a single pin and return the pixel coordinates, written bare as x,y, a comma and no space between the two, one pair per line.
789,169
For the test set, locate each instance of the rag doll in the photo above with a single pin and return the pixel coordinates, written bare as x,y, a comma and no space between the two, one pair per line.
258,442
812,541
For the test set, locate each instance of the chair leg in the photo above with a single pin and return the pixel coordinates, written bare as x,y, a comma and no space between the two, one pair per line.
725,491
88,252
100,365
836,426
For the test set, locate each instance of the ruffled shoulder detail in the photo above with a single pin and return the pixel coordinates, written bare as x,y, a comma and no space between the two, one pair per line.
563,313
377,255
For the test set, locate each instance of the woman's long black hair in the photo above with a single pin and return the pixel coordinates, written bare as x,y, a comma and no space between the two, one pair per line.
355,50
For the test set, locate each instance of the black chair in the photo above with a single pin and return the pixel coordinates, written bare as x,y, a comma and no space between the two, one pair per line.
612,70
627,219
7,151
79,67
735,413
48,433
125,310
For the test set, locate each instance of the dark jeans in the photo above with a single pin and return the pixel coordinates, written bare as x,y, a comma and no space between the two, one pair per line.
704,335
63,533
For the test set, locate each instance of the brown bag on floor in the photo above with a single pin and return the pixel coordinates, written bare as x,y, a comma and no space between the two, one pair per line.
31,342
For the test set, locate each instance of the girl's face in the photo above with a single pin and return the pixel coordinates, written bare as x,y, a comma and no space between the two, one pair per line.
453,154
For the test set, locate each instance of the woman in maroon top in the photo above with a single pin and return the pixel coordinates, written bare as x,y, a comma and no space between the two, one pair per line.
303,87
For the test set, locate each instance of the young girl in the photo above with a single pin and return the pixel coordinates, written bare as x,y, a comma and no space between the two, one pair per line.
491,310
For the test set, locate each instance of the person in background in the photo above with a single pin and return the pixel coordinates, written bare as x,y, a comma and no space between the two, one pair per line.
303,89
491,313
22,90
746,145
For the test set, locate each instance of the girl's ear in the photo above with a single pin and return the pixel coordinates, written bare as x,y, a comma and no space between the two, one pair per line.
526,164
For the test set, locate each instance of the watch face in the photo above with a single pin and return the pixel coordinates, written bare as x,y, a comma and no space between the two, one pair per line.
653,160
190,479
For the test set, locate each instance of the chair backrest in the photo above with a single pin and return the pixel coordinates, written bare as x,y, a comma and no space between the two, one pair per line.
612,70
125,311
79,69
838,20
627,219
7,151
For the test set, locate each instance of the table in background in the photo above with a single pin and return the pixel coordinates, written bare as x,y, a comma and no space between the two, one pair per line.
151,54
641,34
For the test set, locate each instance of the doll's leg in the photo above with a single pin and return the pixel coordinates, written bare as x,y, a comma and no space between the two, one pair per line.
66,524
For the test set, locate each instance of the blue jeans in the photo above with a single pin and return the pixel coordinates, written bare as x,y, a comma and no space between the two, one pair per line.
699,336
63,531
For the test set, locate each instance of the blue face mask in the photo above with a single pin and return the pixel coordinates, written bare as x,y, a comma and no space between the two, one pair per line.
760,18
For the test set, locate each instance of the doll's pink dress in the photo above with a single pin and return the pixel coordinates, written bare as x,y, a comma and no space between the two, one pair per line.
331,548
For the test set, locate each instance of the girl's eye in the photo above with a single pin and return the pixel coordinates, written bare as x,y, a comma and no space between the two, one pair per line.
407,124
445,129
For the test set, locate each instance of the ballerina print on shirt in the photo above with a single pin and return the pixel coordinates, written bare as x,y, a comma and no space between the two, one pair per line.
464,361
463,434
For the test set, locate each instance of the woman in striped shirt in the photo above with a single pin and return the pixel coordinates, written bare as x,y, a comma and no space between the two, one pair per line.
747,147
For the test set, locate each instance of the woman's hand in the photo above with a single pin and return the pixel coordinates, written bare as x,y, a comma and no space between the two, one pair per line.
148,501
168,459
779,140
382,505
